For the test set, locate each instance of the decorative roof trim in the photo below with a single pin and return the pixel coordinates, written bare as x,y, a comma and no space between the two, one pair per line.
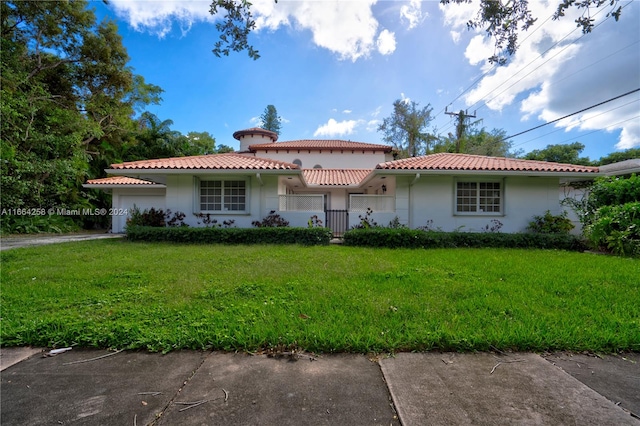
121,181
217,162
446,162
255,131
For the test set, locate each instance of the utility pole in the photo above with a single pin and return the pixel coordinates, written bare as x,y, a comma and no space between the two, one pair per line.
461,125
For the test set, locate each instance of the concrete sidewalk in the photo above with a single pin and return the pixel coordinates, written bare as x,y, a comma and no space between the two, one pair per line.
192,387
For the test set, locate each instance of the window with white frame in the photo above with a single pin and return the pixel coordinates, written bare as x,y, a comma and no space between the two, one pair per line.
479,197
223,195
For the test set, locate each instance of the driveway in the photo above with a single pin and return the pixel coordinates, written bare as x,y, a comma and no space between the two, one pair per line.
16,241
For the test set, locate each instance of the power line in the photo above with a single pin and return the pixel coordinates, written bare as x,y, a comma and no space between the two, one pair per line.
573,113
540,65
580,122
452,122
538,57
495,65
599,130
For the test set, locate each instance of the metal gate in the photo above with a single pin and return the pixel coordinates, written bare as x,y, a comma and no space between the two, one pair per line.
338,221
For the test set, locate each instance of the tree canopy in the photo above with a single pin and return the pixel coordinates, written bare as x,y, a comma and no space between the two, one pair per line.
406,128
560,153
270,120
614,157
71,106
67,99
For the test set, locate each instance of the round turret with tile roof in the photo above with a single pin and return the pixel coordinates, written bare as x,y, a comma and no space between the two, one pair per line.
254,136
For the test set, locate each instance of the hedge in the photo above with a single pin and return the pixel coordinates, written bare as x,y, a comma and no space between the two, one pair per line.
413,238
280,235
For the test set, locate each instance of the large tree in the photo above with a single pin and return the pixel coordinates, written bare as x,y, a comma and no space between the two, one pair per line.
270,120
68,98
406,128
477,141
502,20
492,143
614,157
560,153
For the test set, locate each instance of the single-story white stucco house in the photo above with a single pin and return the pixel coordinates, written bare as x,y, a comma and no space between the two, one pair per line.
337,181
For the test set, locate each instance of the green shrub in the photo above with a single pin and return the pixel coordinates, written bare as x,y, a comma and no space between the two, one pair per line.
614,191
414,238
609,215
54,224
215,235
148,217
550,224
616,228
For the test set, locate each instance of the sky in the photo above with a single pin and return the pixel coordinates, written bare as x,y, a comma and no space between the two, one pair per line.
334,68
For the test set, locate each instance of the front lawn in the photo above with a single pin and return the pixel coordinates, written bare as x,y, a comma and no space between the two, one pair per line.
111,293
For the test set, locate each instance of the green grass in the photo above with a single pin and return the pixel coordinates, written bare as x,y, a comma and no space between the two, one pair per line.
110,293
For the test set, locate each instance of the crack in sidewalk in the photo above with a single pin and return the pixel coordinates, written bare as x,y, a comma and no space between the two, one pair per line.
160,415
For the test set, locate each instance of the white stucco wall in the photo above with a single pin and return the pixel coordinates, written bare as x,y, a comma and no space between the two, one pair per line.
428,200
181,196
431,201
124,199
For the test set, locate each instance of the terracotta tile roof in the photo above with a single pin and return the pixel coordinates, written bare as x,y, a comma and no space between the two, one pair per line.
228,161
335,177
316,145
120,180
445,161
256,131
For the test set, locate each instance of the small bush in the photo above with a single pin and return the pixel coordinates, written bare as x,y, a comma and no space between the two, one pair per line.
493,226
616,229
209,221
155,217
550,224
395,224
215,235
148,217
366,221
272,220
414,238
315,222
177,219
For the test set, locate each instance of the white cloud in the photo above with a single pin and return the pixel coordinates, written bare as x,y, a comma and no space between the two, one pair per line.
386,42
412,13
377,111
457,15
254,120
372,125
630,135
347,111
337,128
455,36
158,17
404,98
347,28
549,80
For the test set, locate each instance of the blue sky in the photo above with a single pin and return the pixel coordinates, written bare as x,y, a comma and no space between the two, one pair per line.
334,68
